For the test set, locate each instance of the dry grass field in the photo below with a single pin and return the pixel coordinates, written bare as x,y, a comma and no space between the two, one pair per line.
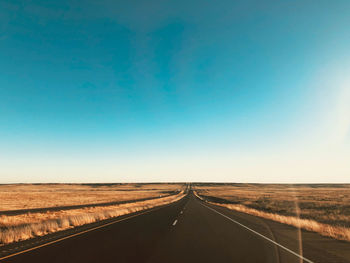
321,208
28,196
26,226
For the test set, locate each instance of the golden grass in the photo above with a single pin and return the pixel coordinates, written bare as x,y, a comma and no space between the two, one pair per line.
27,196
323,209
22,227
337,232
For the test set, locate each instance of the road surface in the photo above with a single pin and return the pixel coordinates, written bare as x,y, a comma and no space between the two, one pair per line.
190,231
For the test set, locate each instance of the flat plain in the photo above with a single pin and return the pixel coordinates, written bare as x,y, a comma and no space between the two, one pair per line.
26,210
29,196
323,208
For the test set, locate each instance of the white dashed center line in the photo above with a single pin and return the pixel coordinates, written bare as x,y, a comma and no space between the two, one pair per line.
175,222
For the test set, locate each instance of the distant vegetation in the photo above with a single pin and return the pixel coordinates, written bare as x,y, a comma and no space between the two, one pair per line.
316,207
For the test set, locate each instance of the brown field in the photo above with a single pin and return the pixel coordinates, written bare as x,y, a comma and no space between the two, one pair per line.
22,227
31,224
27,196
321,208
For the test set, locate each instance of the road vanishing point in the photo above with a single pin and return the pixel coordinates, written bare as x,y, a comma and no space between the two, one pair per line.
188,230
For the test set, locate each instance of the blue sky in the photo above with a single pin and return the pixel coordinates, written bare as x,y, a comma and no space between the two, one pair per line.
112,91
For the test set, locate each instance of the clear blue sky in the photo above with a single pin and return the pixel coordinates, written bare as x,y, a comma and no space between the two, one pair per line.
108,91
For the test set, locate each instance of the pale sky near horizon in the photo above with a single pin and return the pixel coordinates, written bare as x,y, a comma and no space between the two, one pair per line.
157,91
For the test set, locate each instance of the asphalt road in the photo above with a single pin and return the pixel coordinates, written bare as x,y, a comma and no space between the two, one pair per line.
191,231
